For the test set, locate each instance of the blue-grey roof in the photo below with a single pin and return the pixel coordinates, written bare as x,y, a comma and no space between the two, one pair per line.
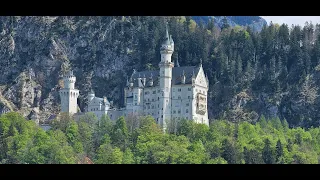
177,73
97,100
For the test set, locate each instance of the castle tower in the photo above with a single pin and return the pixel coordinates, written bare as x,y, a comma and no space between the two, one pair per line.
69,94
166,66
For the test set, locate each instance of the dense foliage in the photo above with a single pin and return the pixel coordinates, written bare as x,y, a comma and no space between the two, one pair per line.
273,72
124,142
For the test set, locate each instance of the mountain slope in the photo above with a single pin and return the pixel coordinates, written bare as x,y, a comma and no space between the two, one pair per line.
273,72
255,22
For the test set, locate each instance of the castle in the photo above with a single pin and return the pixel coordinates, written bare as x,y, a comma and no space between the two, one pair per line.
172,92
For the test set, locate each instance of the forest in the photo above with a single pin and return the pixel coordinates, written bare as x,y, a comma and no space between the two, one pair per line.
139,140
274,72
263,98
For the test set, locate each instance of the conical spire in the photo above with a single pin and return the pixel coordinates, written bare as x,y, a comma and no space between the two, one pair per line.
183,78
167,32
131,79
167,38
127,81
177,62
91,91
171,40
200,62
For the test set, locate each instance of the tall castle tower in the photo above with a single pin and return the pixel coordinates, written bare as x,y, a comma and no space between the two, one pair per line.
69,94
166,66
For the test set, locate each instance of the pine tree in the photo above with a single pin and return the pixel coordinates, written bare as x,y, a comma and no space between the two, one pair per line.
267,153
225,23
239,68
252,156
279,150
229,152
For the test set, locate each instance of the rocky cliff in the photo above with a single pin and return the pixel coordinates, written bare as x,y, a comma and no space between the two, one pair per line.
103,51
35,51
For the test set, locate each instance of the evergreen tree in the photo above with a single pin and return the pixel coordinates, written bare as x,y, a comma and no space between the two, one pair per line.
229,152
252,156
267,153
279,151
225,23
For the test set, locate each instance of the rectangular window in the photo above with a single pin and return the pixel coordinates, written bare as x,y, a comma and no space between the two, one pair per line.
187,110
173,89
174,112
189,89
179,111
154,92
179,90
188,97
187,104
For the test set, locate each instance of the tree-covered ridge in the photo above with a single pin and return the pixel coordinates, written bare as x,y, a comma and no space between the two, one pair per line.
274,72
140,141
255,22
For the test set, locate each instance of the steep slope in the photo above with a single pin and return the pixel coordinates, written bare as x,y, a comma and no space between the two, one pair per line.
255,22
271,73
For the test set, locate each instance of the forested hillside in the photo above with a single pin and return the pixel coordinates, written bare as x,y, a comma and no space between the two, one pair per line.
274,72
141,141
255,22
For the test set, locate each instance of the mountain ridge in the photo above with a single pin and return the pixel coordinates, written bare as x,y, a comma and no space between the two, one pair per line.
255,22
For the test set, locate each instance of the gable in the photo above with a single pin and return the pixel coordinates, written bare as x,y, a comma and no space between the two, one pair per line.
201,79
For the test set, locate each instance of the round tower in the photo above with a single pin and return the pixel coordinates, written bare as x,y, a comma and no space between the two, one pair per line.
166,66
69,80
68,94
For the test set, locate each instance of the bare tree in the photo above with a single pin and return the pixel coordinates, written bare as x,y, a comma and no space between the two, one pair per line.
308,93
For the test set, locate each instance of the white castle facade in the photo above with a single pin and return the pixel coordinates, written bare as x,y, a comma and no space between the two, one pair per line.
172,92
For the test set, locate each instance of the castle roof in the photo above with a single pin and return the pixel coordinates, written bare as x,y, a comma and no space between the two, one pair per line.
97,101
177,73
